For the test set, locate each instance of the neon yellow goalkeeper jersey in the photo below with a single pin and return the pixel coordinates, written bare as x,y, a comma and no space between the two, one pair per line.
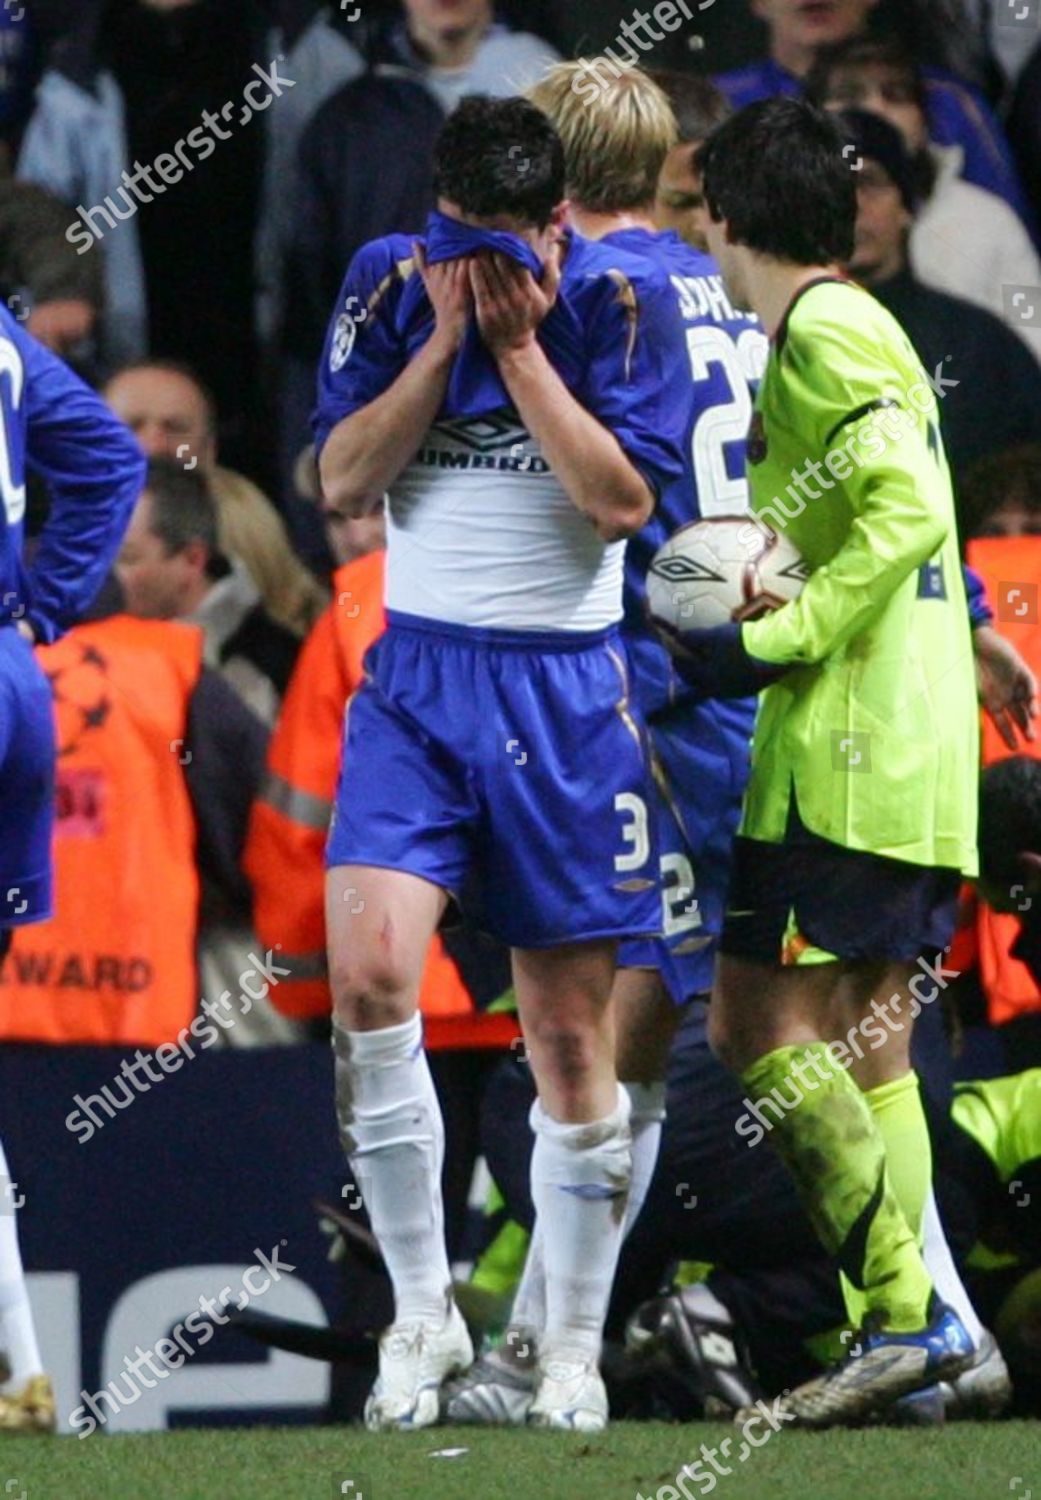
876,728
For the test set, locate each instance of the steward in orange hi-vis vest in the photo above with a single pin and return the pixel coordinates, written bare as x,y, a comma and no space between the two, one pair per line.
116,963
285,849
1011,570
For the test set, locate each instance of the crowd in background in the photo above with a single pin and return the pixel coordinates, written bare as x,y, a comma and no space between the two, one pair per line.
184,184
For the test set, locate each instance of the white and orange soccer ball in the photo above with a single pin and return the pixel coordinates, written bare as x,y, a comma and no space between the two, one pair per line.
726,569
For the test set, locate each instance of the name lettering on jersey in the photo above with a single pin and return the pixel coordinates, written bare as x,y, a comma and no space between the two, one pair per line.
706,297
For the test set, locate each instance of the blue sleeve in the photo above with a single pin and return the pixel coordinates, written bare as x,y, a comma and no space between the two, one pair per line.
94,470
980,612
363,353
742,86
637,376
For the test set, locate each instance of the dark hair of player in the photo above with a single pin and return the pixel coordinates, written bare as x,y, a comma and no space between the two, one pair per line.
183,509
1010,819
500,156
775,171
699,107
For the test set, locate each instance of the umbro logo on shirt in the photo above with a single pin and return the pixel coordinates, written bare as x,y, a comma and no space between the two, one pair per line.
494,440
488,433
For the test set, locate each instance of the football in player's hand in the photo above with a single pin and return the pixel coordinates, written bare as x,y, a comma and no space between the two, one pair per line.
727,569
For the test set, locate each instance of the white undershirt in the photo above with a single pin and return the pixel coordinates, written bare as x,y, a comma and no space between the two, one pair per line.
481,533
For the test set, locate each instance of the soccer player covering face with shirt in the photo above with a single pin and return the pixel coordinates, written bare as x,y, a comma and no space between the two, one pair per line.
614,147
859,818
520,435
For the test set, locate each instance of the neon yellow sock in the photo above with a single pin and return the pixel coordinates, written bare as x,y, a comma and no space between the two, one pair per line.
827,1136
900,1117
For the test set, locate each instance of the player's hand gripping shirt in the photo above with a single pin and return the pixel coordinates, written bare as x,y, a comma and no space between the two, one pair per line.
479,531
876,729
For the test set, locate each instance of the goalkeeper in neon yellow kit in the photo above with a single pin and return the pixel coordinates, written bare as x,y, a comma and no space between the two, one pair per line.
860,815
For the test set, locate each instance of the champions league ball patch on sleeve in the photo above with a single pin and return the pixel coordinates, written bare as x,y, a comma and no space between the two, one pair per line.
344,334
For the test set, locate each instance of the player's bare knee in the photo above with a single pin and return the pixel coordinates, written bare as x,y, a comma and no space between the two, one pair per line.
567,1050
371,993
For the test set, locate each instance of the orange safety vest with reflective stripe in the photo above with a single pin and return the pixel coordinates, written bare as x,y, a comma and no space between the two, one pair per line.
116,963
1011,569
285,848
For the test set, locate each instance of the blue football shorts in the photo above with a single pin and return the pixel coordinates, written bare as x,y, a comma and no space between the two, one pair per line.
509,768
27,757
699,761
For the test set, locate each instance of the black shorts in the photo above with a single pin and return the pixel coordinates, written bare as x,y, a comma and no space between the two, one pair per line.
808,901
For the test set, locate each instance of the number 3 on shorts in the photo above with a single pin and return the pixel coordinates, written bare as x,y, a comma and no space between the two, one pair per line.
634,832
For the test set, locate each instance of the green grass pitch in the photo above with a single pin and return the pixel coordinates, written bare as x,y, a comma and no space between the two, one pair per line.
995,1461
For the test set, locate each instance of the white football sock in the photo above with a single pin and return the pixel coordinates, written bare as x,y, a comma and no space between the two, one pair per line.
394,1137
939,1262
647,1115
17,1330
646,1118
579,1183
529,1300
